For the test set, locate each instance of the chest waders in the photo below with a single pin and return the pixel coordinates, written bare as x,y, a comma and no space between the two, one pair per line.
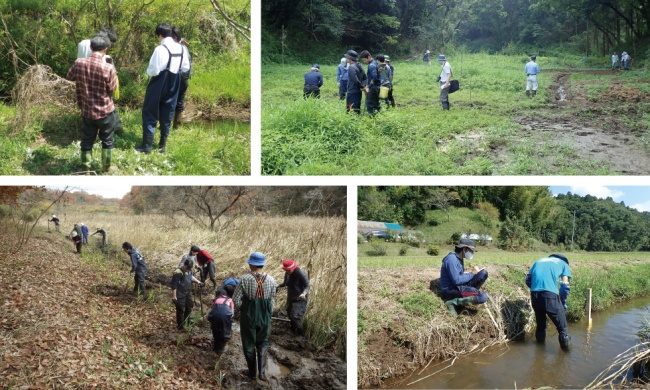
159,104
184,302
255,328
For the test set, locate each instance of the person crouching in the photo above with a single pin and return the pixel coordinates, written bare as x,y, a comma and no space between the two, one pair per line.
220,318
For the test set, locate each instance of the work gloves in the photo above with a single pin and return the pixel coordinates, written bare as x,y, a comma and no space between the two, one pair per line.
564,293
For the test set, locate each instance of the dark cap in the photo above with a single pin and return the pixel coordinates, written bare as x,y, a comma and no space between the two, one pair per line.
533,57
352,55
561,257
466,243
315,66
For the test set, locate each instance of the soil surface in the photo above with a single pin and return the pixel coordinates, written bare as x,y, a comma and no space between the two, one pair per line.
601,129
79,324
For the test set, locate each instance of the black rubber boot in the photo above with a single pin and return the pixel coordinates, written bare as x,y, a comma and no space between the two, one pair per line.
146,145
540,337
162,145
528,93
565,342
252,368
534,93
261,363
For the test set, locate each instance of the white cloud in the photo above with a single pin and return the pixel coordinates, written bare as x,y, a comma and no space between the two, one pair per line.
107,191
641,206
601,192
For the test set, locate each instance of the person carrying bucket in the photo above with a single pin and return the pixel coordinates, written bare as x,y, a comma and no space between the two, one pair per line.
460,288
547,299
384,77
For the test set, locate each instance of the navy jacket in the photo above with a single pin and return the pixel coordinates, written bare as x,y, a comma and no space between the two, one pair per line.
314,78
452,272
357,79
137,261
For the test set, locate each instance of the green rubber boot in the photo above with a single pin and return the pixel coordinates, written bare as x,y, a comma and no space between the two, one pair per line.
107,158
86,158
451,306
452,303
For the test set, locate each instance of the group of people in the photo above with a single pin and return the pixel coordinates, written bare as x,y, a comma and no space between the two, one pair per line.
625,59
95,77
548,280
79,233
253,294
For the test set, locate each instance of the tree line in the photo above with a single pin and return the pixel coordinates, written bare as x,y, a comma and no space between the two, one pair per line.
411,26
523,216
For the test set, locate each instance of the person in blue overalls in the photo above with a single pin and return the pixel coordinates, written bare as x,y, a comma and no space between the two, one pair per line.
547,299
165,67
372,90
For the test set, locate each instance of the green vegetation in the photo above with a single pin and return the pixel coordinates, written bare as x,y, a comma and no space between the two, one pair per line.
480,135
44,139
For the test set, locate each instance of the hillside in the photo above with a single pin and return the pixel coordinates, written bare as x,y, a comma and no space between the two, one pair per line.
71,320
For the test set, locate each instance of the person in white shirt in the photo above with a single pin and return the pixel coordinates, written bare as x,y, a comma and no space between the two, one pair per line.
165,67
444,79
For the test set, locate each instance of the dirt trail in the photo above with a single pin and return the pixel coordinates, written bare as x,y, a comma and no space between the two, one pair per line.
602,129
77,323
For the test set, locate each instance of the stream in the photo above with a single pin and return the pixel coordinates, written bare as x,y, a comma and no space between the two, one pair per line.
527,364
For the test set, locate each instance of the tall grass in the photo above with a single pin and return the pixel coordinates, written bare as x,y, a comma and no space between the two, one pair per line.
317,137
317,244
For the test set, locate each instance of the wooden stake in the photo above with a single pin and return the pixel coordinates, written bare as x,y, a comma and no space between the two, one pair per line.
589,306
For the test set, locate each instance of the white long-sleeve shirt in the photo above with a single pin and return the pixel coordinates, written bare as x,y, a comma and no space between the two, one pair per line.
160,58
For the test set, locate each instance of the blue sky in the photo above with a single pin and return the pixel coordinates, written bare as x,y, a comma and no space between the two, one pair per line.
636,197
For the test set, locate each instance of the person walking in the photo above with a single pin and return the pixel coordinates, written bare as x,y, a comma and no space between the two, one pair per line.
390,100
95,81
104,235
460,288
531,69
165,67
84,234
205,263
547,299
357,82
624,56
427,57
138,268
313,82
181,286
185,78
445,80
614,61
342,78
297,284
220,318
374,82
76,240
57,223
255,296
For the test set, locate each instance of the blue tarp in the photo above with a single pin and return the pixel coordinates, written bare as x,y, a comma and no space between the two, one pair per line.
393,226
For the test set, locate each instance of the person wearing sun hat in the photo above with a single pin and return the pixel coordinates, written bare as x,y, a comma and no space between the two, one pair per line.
460,288
297,284
255,296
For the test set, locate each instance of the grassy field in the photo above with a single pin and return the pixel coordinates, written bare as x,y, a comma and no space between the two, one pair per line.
480,135
317,244
397,308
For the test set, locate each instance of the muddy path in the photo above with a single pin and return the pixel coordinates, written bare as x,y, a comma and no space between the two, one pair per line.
293,363
599,122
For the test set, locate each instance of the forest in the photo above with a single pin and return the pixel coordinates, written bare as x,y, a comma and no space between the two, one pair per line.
522,216
409,27
40,123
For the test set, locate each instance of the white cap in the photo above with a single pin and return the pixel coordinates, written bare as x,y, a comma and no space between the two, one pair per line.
74,233
53,216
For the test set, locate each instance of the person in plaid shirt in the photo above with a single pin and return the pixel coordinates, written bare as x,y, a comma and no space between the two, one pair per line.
95,83
254,296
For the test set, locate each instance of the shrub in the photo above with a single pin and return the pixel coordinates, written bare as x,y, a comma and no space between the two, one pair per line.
433,250
360,238
402,250
455,237
433,222
377,250
414,243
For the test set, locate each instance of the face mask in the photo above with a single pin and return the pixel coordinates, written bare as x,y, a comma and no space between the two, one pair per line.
468,255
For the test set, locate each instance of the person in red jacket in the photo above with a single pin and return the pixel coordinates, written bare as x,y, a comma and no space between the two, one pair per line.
205,263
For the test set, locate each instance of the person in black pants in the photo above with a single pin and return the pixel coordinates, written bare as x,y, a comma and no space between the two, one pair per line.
182,293
220,318
297,284
138,267
185,79
547,299
357,81
374,82
313,82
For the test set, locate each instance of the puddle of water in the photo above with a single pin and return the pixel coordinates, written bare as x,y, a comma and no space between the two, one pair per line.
273,368
526,364
561,93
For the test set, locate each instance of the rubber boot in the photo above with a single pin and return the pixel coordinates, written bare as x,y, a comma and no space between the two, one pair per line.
451,306
178,119
534,93
146,145
460,302
445,105
107,158
86,158
540,337
252,368
261,363
527,93
565,342
162,145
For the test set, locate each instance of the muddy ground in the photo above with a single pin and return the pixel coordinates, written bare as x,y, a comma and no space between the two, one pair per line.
78,324
603,130
404,343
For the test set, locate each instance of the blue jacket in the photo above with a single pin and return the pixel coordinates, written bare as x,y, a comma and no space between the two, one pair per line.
84,230
137,260
373,74
314,78
341,74
451,272
531,68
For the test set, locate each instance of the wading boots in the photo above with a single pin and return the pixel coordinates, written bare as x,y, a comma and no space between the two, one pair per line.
565,342
107,158
452,303
86,159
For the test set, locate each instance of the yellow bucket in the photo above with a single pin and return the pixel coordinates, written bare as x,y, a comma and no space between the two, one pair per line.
383,92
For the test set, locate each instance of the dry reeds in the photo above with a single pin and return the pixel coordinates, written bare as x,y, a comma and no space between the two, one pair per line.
40,87
614,376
